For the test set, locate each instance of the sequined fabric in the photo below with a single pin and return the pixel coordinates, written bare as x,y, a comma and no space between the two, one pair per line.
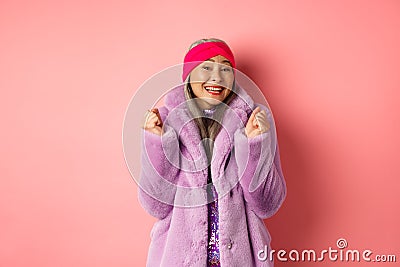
209,112
213,255
213,233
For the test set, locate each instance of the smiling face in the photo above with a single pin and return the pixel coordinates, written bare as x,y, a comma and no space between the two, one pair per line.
212,81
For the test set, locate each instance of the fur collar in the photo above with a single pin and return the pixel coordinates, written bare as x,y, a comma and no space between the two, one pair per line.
243,101
180,119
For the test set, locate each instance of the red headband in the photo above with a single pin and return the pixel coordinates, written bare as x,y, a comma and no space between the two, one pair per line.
204,51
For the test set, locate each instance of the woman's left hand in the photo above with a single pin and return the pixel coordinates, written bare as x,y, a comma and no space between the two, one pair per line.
257,123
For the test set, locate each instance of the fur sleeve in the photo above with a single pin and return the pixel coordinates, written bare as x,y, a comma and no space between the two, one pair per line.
260,172
159,171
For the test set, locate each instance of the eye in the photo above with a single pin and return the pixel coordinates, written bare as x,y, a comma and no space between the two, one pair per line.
206,67
226,69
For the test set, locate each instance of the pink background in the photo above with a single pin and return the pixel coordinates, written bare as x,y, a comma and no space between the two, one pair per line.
329,69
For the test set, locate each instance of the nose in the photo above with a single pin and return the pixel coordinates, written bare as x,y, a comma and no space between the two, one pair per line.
216,75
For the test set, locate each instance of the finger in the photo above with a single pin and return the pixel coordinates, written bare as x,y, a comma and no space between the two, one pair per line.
252,118
148,113
261,119
146,118
261,115
151,122
255,122
253,114
263,112
264,126
151,117
156,111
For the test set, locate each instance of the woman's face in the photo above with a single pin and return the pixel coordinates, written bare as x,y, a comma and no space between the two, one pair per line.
212,81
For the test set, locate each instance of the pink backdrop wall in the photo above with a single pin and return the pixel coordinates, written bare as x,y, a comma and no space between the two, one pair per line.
329,69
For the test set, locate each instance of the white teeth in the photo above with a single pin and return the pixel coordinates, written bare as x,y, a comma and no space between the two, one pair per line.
210,88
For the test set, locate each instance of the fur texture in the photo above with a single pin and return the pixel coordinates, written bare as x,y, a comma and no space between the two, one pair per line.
247,175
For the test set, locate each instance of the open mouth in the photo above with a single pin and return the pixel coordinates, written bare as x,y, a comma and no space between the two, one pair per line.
214,90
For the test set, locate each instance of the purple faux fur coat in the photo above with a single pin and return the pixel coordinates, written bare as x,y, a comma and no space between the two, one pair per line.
247,176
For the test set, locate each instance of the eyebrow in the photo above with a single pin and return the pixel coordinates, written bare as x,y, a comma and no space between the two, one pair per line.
224,61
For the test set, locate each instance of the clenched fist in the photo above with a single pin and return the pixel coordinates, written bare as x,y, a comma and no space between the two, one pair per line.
153,122
257,123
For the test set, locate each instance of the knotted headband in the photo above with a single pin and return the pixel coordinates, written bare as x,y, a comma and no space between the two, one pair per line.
204,51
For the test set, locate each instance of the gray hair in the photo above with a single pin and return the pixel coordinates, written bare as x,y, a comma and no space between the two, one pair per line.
205,40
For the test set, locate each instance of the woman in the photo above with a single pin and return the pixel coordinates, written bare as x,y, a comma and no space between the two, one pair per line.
210,169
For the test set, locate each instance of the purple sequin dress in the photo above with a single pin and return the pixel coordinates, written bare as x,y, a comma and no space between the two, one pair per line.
213,234
213,256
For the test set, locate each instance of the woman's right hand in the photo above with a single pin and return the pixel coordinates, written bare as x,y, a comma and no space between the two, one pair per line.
153,122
